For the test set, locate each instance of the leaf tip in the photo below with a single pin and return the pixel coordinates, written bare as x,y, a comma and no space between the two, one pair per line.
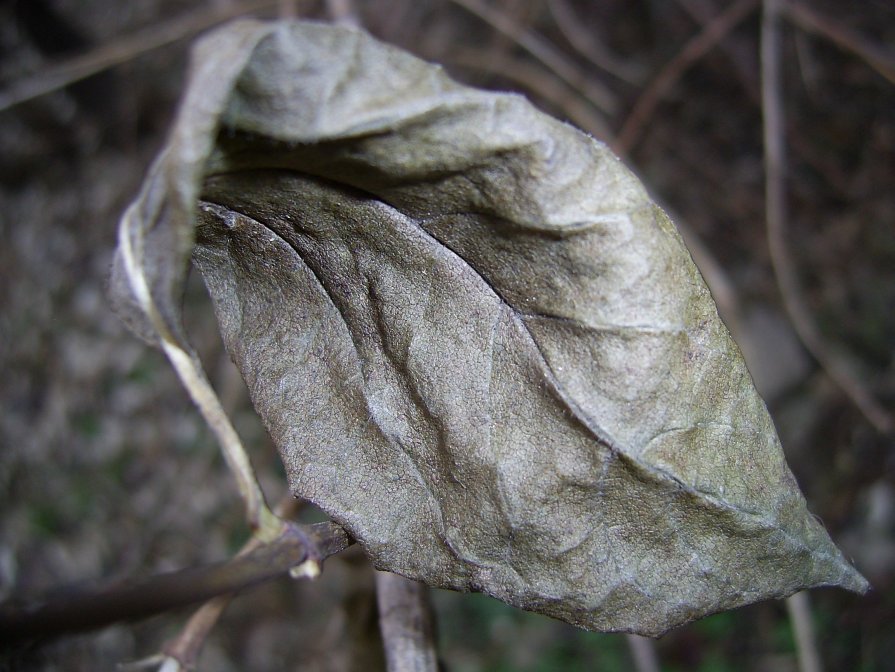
852,580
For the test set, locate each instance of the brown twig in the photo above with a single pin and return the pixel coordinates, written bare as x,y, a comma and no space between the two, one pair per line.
597,94
741,57
696,48
185,649
93,609
643,652
702,11
287,9
799,608
776,215
343,13
516,13
587,44
124,49
406,624
877,56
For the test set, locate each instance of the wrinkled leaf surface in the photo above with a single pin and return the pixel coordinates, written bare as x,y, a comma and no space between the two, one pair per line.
475,340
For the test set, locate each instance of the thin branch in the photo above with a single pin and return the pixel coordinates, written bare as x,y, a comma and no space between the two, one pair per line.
643,651
587,44
185,649
747,72
597,94
406,624
265,525
261,519
742,60
93,609
713,33
799,608
776,215
343,13
287,9
124,49
877,56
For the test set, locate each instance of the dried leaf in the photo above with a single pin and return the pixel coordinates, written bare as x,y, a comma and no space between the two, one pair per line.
475,340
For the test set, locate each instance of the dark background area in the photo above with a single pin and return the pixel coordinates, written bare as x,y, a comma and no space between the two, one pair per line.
106,470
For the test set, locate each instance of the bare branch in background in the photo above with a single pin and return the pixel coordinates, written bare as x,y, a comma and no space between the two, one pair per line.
595,92
343,12
588,45
877,56
406,623
799,608
643,651
124,49
743,57
696,48
776,214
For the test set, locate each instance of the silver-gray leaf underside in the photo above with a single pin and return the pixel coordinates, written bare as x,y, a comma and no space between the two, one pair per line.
476,342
